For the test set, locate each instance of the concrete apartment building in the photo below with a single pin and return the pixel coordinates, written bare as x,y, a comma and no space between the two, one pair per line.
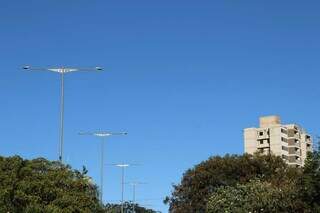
289,141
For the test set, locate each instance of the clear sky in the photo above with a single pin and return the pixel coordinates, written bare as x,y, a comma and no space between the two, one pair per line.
182,77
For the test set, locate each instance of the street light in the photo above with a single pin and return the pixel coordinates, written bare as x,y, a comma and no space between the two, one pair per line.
123,166
103,135
61,71
134,184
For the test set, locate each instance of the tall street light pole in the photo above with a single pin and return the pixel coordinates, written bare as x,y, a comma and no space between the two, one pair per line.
134,185
62,71
102,135
123,166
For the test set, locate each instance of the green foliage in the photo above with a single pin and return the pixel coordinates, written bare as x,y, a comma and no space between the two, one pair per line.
310,189
43,186
128,208
199,183
255,196
301,194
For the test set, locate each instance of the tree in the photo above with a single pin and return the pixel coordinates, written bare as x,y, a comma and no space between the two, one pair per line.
198,183
310,186
301,194
40,185
256,196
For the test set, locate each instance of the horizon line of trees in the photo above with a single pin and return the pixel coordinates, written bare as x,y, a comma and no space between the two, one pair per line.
232,183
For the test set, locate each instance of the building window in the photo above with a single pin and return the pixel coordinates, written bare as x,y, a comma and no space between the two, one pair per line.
284,139
261,142
260,133
284,131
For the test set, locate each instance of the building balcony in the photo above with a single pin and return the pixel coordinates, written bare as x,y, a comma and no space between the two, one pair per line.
309,147
293,159
263,145
292,142
298,163
308,140
294,151
298,153
264,136
293,136
296,145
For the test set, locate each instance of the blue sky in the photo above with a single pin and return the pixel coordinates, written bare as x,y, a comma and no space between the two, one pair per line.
182,77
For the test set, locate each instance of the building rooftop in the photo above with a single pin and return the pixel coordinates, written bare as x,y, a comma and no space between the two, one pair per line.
271,120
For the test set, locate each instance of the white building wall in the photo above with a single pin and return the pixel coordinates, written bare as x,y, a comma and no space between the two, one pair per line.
288,141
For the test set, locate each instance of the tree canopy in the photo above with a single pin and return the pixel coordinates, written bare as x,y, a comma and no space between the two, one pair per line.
301,194
199,183
255,196
310,184
248,183
40,185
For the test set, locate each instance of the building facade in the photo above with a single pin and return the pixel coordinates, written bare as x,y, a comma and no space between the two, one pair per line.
289,141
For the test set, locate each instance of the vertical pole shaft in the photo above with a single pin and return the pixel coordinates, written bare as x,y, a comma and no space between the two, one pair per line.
134,197
101,169
122,189
61,117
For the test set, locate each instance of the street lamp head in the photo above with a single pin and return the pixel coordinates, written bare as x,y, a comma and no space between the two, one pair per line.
98,134
125,164
26,67
103,133
136,183
62,70
122,165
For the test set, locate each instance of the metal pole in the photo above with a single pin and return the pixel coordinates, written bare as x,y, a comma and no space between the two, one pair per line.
134,198
122,190
101,170
61,117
